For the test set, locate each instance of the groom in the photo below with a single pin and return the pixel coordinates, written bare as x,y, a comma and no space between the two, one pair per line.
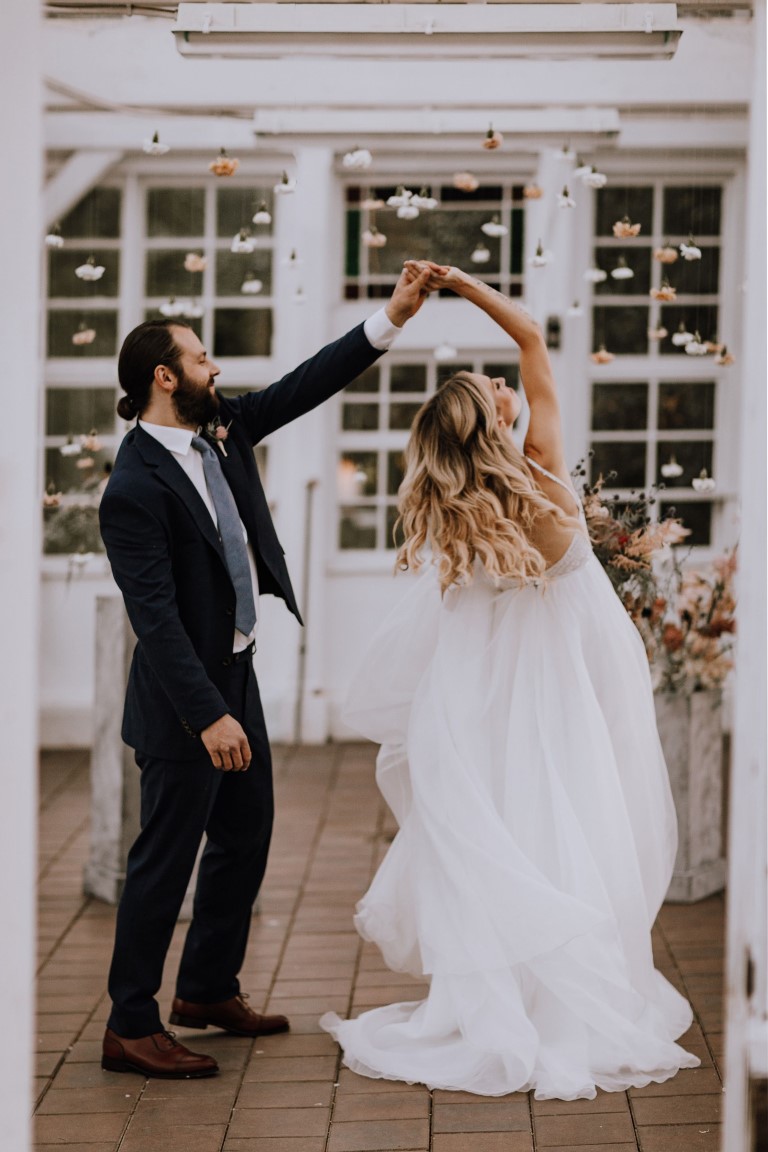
192,546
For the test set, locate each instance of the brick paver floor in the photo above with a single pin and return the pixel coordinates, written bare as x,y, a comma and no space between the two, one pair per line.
289,1093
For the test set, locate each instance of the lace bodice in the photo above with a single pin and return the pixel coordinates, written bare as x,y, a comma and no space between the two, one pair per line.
576,554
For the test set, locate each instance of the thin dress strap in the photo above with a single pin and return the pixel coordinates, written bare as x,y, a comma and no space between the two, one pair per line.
557,480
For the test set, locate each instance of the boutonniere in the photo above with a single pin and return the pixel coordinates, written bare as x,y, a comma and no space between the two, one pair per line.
217,432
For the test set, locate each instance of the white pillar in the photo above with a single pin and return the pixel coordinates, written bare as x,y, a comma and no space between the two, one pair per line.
20,516
747,963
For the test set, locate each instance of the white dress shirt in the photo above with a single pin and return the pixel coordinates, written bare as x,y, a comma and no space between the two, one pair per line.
380,333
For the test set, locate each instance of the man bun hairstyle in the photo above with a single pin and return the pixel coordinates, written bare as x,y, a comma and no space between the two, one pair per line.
146,346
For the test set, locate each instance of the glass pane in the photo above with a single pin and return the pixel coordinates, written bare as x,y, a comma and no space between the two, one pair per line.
64,324
517,241
97,215
165,274
77,474
235,209
368,381
625,458
352,249
71,529
508,371
62,281
175,212
614,204
242,332
360,417
693,209
637,259
356,475
687,405
692,456
446,237
394,538
196,323
395,472
485,193
75,411
623,330
357,527
697,277
619,407
696,515
232,268
701,318
408,378
401,415
448,371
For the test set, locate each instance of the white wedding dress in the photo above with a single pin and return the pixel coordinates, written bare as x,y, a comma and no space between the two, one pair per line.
536,840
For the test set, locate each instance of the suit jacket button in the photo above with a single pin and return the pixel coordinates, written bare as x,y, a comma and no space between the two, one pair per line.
227,661
229,611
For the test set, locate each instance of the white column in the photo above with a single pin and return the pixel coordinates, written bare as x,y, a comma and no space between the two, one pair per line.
20,516
747,964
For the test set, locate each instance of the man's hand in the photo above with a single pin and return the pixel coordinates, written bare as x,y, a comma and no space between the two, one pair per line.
410,292
440,275
227,744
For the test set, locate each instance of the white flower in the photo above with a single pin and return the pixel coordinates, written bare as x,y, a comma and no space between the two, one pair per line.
84,335
70,448
696,347
671,470
565,153
595,179
372,238
424,200
494,227
407,212
262,215
90,270
251,286
575,309
357,160
465,181
540,258
153,147
595,275
582,171
194,262
54,238
401,197
91,442
286,185
565,200
481,254
622,271
173,307
371,203
703,482
681,337
444,353
689,251
242,242
192,309
292,260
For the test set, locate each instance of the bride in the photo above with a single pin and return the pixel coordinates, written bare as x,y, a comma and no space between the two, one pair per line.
511,696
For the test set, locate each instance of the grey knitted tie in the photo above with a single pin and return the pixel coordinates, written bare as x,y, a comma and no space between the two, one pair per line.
231,533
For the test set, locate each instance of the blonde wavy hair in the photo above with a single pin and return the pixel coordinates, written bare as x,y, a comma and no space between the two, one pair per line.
468,492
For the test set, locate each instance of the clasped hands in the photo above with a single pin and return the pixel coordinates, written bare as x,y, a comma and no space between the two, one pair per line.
417,279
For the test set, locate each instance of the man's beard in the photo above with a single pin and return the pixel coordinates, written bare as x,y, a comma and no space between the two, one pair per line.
193,404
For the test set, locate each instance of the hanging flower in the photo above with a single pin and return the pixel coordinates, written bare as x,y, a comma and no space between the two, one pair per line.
666,254
494,228
153,147
251,286
224,165
481,254
657,333
566,154
90,270
696,347
84,335
285,186
602,356
357,160
703,482
690,251
575,310
582,170
465,182
292,260
172,307
565,200
595,179
540,258
243,241
54,238
532,192
622,271
194,262
262,214
492,140
671,470
682,336
444,353
713,346
665,293
372,238
91,442
595,275
724,358
51,498
193,310
84,463
424,200
407,212
71,448
401,198
372,203
624,228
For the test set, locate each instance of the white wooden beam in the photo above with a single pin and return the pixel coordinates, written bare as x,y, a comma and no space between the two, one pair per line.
76,177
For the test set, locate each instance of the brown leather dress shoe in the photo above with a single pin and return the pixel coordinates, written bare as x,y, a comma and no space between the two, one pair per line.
232,1015
159,1055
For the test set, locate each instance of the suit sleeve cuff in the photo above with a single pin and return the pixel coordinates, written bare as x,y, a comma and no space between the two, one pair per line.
379,330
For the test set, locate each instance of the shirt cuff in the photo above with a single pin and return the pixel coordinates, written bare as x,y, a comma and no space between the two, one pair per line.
379,330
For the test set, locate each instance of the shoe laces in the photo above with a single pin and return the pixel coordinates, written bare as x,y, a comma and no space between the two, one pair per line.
170,1037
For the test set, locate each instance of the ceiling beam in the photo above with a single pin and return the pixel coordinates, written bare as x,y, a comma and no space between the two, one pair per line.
79,173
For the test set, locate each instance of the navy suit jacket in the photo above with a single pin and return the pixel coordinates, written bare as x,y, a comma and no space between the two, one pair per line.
168,562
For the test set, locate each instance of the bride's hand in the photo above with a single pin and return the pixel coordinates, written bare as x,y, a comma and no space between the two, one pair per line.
442,275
